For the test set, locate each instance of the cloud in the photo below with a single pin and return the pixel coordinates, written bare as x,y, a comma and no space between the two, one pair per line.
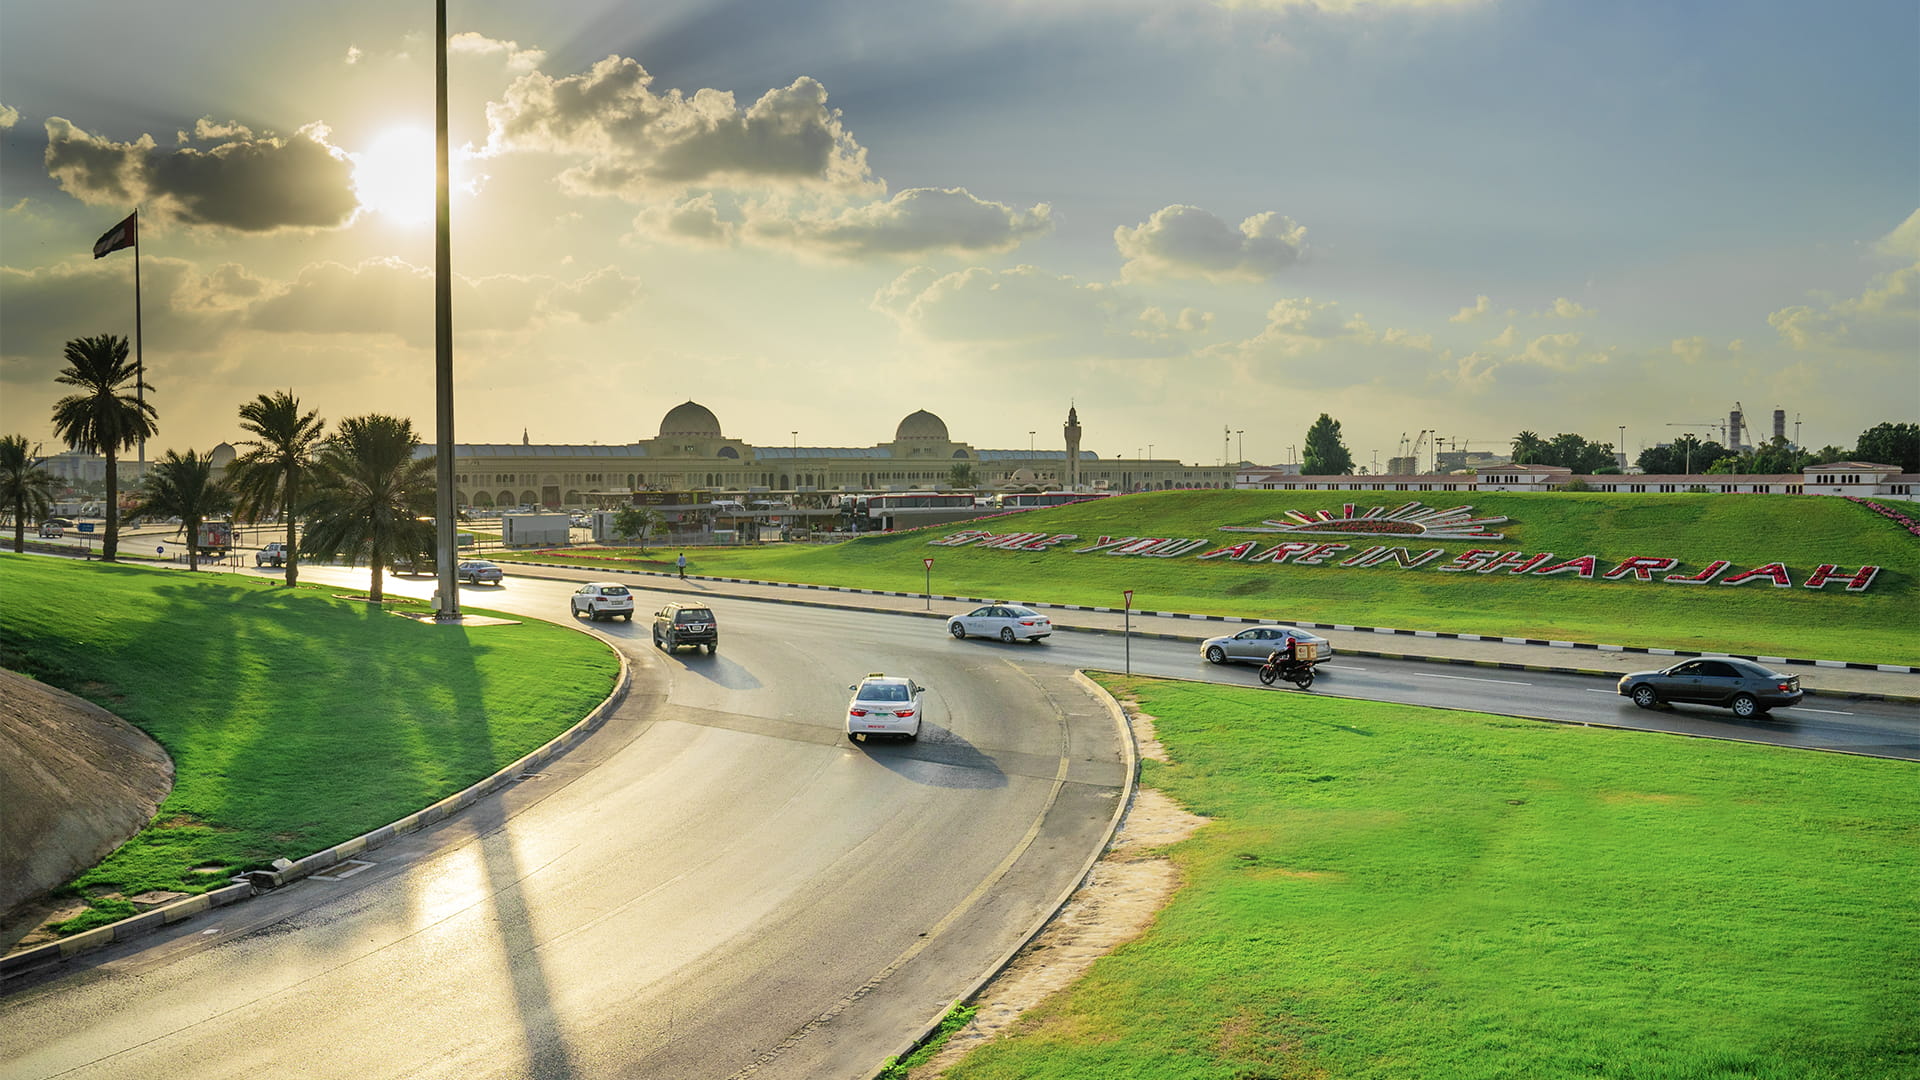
983,306
1186,241
207,129
917,221
1691,349
9,116
636,142
353,55
1564,308
510,52
1904,240
595,298
249,185
41,308
1355,7
691,220
1885,316
1481,305
1506,339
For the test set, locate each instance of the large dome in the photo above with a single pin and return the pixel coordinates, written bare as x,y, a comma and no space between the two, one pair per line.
690,418
923,426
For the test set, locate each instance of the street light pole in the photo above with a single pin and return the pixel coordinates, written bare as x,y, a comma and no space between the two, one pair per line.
1243,444
445,541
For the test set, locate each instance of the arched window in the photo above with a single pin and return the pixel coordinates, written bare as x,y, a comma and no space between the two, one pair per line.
728,452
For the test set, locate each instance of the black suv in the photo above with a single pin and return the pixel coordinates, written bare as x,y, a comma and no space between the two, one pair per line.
685,624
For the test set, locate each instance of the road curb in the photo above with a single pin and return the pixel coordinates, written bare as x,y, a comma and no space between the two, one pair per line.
1123,806
1852,665
254,882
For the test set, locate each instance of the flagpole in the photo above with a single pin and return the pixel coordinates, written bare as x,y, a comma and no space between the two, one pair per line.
445,542
139,359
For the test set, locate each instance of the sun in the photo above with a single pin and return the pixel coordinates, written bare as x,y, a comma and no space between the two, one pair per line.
394,176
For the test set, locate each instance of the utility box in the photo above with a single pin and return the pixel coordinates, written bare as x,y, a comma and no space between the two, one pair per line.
535,530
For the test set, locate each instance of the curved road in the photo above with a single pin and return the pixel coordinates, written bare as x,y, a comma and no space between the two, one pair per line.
716,884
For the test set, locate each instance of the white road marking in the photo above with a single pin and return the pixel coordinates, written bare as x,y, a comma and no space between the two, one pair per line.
1829,712
1469,678
1591,690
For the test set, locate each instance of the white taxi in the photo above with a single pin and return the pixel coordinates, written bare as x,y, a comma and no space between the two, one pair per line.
884,705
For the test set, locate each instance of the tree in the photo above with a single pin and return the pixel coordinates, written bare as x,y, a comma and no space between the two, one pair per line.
961,475
267,478
1891,444
1529,449
1325,454
26,489
1777,456
632,521
1684,455
184,487
370,493
106,416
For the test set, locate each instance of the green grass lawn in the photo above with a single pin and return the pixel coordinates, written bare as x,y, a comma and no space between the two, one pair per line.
295,719
1747,530
1393,892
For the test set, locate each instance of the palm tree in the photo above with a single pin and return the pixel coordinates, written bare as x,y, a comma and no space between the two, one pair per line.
370,491
107,416
267,478
186,488
25,488
1528,448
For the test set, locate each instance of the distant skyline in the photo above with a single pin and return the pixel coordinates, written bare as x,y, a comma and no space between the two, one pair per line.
1470,217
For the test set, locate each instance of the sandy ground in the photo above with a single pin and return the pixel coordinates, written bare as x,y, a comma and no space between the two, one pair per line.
1116,903
77,781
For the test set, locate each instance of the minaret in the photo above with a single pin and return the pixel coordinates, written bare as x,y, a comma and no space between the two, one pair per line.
1073,449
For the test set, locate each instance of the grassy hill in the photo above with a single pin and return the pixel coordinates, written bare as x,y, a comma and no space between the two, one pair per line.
1749,531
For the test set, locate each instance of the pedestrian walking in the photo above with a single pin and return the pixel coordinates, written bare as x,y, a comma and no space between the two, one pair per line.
683,566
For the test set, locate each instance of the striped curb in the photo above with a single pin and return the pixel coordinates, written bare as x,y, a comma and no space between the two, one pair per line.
254,882
1897,669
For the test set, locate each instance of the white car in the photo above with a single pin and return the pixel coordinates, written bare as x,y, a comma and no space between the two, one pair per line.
608,598
884,705
1008,622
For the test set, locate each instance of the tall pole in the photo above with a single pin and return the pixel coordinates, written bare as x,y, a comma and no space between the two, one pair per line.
443,330
139,358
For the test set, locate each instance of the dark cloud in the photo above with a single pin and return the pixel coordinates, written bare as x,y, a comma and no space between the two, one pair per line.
251,185
1186,241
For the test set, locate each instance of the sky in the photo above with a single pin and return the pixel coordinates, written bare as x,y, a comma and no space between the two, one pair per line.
1202,224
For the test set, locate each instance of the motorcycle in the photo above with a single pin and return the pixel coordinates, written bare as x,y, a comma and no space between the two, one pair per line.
1297,672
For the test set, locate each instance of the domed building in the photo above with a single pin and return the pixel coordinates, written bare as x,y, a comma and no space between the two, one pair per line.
692,454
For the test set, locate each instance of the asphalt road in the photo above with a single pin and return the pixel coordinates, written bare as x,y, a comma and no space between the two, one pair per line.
717,884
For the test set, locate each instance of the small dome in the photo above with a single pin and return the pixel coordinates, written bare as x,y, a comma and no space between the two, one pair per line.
691,419
922,425
222,455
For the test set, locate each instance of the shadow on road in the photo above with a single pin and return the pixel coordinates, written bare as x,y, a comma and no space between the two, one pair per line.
938,758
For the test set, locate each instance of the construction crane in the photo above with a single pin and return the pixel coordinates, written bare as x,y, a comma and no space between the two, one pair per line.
1709,425
1734,435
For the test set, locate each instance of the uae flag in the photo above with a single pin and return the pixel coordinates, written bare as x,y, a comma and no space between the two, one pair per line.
124,235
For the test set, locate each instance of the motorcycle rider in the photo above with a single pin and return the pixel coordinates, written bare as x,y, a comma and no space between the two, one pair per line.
1283,658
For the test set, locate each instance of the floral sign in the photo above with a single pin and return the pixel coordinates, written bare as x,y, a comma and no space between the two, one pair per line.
1450,523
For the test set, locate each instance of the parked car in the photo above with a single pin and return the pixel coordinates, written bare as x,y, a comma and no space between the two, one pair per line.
680,624
884,705
1008,622
478,571
1254,644
609,598
274,554
1747,688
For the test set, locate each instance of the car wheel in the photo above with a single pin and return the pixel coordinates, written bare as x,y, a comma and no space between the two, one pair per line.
1006,634
1644,696
673,643
1216,655
1744,706
852,738
656,638
712,647
956,630
913,736
628,616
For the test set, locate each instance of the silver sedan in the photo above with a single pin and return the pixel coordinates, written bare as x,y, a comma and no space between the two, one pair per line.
1254,644
1008,622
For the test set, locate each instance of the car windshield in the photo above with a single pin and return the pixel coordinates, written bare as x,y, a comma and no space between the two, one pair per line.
883,692
613,590
698,614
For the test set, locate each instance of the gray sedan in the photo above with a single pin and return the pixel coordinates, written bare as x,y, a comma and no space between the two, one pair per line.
1741,685
1254,644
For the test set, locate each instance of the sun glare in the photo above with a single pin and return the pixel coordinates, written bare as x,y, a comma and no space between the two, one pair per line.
394,176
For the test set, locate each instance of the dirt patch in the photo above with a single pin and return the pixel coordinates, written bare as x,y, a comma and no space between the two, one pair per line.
1116,903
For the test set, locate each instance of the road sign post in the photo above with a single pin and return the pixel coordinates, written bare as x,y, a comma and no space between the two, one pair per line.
1128,635
928,563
